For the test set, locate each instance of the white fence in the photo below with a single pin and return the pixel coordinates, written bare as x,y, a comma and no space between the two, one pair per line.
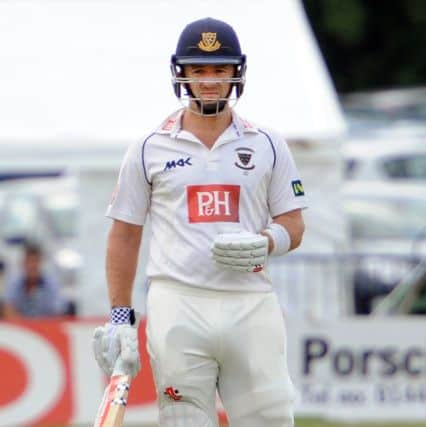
334,286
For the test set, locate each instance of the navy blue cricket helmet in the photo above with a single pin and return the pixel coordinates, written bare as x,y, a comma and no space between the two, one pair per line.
208,41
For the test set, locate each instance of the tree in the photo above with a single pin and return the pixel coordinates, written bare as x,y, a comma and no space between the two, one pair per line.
371,44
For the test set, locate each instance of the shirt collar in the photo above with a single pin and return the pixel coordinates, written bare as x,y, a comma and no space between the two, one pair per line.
172,125
241,125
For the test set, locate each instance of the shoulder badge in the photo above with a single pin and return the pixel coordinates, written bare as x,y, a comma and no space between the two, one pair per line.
297,188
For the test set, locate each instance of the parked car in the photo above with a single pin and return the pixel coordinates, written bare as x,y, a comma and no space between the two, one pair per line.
400,111
385,158
408,297
391,104
387,222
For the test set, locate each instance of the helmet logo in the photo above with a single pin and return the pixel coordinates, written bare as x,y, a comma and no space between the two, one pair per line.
209,42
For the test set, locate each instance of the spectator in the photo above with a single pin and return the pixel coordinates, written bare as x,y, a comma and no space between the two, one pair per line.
33,293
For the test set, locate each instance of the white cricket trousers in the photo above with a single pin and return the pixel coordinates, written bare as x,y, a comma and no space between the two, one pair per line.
200,341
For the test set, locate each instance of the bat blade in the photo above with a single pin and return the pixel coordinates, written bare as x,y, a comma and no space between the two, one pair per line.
114,401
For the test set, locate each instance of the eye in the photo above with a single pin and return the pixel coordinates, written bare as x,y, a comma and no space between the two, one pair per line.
223,71
197,71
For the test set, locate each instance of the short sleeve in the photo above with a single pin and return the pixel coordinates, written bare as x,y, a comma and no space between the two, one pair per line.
54,303
286,191
131,197
12,291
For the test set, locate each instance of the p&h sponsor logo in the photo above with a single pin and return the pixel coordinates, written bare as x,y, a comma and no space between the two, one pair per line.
213,203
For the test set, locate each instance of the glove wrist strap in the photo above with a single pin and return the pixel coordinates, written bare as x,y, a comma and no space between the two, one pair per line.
280,237
122,315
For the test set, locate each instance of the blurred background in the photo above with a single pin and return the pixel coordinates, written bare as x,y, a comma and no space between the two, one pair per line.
343,81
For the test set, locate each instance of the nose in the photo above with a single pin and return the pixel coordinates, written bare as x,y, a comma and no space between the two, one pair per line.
207,83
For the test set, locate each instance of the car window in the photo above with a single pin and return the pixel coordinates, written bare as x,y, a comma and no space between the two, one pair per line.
406,167
413,112
351,166
62,211
378,219
20,218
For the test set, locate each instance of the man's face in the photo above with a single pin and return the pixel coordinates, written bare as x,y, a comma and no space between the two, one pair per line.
209,91
32,265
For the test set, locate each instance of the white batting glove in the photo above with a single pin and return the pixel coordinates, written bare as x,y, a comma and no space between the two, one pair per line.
116,348
243,251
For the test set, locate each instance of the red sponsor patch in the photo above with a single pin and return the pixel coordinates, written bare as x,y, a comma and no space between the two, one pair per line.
169,123
172,393
247,125
213,203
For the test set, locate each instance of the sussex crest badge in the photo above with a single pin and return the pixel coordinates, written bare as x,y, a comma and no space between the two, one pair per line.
209,42
244,157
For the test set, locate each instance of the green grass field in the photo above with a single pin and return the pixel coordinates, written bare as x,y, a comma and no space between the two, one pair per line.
320,423
313,422
310,422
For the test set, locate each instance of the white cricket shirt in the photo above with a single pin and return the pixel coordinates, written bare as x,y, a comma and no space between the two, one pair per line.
192,193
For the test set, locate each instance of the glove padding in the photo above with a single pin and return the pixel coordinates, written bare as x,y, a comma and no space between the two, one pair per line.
116,348
242,251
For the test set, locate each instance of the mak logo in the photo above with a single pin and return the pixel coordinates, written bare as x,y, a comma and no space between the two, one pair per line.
297,188
171,164
213,203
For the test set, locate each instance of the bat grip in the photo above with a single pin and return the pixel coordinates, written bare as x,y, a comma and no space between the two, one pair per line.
119,368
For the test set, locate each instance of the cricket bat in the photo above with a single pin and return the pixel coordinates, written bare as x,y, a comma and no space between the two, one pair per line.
114,401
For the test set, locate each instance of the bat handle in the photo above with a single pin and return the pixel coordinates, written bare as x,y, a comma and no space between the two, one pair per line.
111,410
118,368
